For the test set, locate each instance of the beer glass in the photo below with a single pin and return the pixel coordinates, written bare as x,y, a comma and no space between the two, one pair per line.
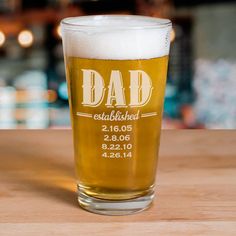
116,70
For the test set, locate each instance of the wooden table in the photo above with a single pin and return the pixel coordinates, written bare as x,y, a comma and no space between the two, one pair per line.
196,193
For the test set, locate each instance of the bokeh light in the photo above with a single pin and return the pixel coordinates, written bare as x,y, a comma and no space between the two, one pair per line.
25,38
58,31
172,35
2,38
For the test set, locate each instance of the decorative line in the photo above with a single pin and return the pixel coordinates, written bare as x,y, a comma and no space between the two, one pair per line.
84,114
149,114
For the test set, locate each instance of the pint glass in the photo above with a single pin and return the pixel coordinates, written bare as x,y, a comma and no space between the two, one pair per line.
116,70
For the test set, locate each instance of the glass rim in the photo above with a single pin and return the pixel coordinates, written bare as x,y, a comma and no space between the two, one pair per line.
76,23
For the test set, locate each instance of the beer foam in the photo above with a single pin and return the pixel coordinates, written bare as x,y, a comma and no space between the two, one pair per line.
116,37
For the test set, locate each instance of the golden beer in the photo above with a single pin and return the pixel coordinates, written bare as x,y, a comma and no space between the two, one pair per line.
116,159
116,81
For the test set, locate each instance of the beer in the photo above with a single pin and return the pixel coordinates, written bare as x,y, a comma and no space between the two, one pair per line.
116,102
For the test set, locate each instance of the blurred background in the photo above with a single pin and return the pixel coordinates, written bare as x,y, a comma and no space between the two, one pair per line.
201,87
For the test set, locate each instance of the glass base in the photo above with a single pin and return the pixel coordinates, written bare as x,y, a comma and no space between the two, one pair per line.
114,207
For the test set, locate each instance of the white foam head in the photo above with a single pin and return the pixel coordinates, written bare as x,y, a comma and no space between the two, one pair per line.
116,37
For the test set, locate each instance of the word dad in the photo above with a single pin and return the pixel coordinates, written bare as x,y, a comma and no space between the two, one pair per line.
94,90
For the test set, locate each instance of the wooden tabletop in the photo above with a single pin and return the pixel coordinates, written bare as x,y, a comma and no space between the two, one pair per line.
196,187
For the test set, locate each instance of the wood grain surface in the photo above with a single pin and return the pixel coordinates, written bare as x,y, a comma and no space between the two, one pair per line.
196,187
